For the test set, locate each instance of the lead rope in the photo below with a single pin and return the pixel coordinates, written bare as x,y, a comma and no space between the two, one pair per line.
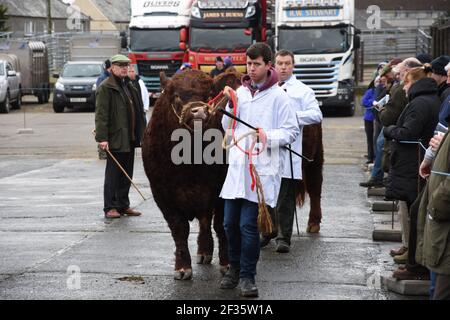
265,224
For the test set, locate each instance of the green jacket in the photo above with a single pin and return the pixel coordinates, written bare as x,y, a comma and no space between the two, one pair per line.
395,106
433,225
113,116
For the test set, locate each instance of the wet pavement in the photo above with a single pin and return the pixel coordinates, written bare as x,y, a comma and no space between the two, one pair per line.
51,223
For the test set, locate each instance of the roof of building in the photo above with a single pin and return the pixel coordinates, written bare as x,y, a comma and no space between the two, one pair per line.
37,9
115,10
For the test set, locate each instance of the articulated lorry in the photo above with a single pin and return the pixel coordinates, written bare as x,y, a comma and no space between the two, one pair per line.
158,37
226,28
323,38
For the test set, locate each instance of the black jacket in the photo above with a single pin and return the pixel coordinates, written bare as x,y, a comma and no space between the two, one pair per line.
417,122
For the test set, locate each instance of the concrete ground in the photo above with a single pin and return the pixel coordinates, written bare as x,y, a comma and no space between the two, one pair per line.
51,225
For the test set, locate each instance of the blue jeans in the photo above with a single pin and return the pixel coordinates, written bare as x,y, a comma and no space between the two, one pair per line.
241,228
377,172
433,284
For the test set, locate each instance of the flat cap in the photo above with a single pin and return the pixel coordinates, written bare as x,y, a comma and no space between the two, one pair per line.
119,58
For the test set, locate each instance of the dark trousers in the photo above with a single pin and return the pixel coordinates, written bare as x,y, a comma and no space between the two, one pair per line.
117,186
241,228
369,128
442,288
284,214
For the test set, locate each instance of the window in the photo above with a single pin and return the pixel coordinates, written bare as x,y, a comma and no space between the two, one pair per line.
29,28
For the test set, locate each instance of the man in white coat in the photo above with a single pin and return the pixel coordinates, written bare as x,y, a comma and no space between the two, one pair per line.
307,112
263,104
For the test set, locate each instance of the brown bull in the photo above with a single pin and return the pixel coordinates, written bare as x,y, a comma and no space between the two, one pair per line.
186,191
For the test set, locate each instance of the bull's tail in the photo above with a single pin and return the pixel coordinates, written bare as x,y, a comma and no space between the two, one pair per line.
300,193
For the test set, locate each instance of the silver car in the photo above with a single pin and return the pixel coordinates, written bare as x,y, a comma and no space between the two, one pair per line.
76,85
10,94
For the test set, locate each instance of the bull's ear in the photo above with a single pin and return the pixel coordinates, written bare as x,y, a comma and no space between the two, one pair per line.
163,79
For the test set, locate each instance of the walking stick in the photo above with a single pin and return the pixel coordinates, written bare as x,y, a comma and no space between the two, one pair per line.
123,170
125,173
292,177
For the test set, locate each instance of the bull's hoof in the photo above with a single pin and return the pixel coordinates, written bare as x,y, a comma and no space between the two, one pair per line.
204,259
224,269
183,274
313,228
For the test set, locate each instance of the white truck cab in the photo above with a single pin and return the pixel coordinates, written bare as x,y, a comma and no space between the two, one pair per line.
323,38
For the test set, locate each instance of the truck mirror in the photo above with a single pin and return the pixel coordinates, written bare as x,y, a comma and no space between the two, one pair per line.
123,40
183,35
356,43
183,46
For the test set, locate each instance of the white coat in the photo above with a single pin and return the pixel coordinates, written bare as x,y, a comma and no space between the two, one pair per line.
304,102
145,99
270,110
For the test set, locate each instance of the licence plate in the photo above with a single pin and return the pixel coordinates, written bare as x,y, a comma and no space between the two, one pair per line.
78,100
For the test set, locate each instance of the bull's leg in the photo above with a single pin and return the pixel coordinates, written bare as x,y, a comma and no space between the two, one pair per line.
221,236
314,180
179,228
205,241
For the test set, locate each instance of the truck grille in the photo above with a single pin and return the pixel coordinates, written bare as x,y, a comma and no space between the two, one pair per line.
322,78
149,71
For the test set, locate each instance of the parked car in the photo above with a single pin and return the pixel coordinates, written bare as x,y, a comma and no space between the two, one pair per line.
76,85
10,85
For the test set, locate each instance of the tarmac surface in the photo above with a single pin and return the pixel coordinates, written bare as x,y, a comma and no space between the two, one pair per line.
51,225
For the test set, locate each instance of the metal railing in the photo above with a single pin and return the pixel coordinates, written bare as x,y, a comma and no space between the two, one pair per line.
389,43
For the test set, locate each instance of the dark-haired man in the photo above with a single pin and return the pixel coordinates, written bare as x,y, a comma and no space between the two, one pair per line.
263,104
219,69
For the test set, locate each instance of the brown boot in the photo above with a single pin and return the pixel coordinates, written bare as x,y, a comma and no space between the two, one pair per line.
131,212
112,214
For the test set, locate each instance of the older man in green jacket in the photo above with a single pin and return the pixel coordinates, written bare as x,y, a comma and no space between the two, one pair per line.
433,226
119,126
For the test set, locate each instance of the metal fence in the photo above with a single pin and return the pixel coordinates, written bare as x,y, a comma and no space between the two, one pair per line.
386,44
394,43
58,45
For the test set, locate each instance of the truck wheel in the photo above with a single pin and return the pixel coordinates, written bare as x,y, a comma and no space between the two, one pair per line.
18,103
40,97
58,108
5,105
47,93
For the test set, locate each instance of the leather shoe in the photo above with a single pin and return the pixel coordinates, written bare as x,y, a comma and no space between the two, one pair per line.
112,214
398,252
405,274
282,246
372,184
265,239
131,212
